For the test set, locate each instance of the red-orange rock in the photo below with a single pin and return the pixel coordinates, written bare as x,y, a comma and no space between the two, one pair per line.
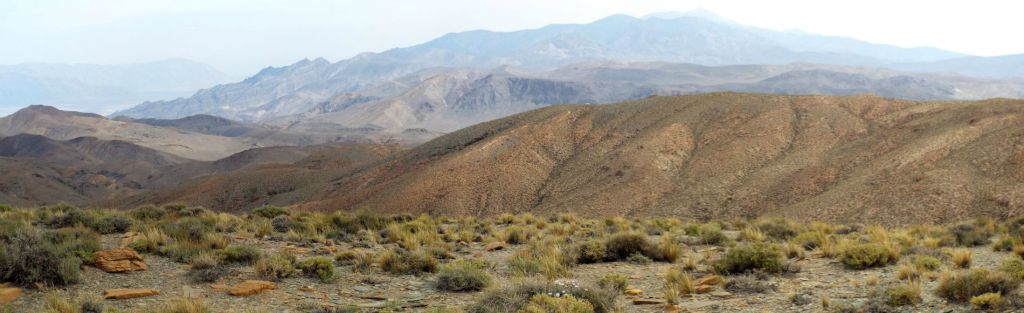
128,293
251,287
120,260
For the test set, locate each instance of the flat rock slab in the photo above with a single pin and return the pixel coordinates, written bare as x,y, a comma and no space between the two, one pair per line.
8,294
120,260
128,293
251,287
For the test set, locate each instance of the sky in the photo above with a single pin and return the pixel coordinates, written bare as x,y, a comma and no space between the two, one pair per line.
240,37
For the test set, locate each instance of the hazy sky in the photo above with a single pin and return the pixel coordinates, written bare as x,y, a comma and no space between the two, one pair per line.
242,36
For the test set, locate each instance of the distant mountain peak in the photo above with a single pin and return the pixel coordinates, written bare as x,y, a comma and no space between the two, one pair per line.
696,13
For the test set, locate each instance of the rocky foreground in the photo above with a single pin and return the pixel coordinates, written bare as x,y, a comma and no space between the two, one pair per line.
273,260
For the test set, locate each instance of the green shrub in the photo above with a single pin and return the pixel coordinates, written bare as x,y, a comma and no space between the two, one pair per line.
319,267
515,298
516,235
622,246
780,229
614,282
712,236
148,213
591,251
809,240
970,235
405,262
111,224
1004,243
275,267
927,262
68,217
963,286
750,257
48,257
351,224
1013,266
188,228
542,303
206,267
183,251
241,254
269,211
460,277
866,255
903,294
988,301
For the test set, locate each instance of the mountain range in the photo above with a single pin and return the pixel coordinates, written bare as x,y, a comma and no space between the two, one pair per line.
465,78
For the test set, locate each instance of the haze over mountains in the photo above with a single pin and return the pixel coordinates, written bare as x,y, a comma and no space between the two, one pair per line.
101,88
464,78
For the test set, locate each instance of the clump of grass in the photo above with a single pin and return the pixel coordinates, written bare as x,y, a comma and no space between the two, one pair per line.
516,235
866,255
927,262
591,251
1004,243
907,272
546,258
111,224
746,284
319,267
970,235
543,303
150,241
903,294
615,282
241,254
750,257
184,305
988,301
406,262
961,287
207,267
961,258
678,280
269,211
276,267
752,234
462,276
780,229
515,298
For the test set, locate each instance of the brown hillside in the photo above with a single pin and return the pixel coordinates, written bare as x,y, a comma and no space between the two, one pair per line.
860,158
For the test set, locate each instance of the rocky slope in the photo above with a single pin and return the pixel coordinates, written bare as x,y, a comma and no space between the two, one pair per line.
724,154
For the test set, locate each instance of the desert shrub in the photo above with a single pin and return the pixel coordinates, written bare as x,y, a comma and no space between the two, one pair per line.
516,235
542,303
91,305
405,262
49,257
591,251
927,262
547,258
970,235
1004,243
780,229
281,223
961,258
988,301
634,246
962,286
903,294
206,267
111,224
351,224
639,258
712,236
241,254
462,276
188,228
69,217
269,211
747,284
810,240
319,267
5,208
1013,266
515,298
614,282
749,257
148,213
183,251
866,255
275,267
151,242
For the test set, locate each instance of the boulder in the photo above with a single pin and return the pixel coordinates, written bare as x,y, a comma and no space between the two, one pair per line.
128,293
251,287
496,245
8,294
119,260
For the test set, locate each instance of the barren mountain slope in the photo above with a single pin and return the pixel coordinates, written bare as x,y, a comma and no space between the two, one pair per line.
65,125
281,183
834,158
